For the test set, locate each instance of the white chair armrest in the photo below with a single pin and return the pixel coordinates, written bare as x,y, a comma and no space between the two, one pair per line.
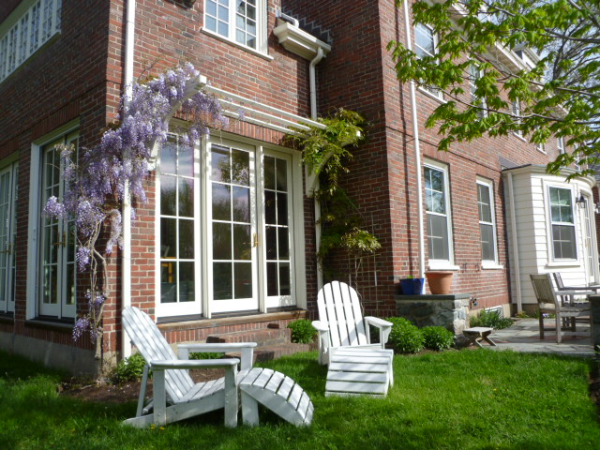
320,326
375,321
193,364
384,326
245,348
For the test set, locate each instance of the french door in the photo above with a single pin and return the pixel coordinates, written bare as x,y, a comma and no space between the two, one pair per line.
8,200
57,273
226,229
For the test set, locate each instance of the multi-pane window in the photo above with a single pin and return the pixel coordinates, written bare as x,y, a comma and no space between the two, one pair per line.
238,21
8,200
29,32
560,143
425,46
487,225
516,112
474,75
57,272
438,217
226,237
562,223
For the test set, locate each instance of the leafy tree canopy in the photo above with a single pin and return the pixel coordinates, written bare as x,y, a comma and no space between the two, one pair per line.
512,66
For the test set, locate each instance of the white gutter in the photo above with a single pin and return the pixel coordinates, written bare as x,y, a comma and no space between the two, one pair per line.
413,101
515,242
126,214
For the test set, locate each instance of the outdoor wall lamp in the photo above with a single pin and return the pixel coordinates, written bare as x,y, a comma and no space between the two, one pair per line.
581,201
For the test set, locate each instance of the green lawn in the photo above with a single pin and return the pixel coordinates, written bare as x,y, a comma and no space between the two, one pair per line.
473,399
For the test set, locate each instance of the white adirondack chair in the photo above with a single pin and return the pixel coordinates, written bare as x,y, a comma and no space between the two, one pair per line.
341,322
356,366
172,382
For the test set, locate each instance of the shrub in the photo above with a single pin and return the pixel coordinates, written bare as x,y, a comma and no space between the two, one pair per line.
405,337
206,355
491,319
437,338
128,369
302,331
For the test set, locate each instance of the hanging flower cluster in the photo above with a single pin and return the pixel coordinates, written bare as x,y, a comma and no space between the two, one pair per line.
96,178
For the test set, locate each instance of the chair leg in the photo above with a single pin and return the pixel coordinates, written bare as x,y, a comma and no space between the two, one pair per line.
558,329
541,320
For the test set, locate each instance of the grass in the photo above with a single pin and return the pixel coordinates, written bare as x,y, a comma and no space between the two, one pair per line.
472,399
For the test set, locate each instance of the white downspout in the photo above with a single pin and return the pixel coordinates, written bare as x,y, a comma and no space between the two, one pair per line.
313,83
415,122
515,242
313,115
126,219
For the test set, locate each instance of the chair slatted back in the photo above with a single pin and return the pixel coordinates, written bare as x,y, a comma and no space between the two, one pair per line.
153,346
339,307
544,291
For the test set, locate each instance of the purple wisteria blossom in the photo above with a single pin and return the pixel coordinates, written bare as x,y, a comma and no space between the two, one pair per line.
96,178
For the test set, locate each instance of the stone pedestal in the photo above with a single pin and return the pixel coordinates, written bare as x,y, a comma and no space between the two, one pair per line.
448,311
595,329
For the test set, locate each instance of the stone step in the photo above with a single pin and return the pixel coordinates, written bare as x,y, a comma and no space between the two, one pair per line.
263,336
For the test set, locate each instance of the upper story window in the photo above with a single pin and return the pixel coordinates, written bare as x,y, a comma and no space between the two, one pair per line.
560,143
474,75
239,21
516,111
426,43
437,205
563,223
23,35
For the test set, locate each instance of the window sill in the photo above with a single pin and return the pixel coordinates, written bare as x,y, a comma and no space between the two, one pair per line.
442,266
491,266
235,44
431,95
49,323
556,264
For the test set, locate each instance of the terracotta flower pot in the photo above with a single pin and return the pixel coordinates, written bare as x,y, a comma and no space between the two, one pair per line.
439,282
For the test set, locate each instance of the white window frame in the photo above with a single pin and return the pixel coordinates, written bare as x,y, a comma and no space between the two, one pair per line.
261,26
441,264
34,231
435,92
8,248
551,223
204,304
488,263
20,39
474,75
516,111
560,145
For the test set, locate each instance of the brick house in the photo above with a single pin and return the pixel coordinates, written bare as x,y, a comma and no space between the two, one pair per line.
63,66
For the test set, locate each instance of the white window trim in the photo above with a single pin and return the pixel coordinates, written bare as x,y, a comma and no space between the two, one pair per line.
560,145
262,44
488,263
440,264
8,304
436,94
517,111
472,87
34,229
204,268
552,260
14,24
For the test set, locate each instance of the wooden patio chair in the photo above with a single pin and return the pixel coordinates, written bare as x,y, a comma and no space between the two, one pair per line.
356,365
550,302
177,397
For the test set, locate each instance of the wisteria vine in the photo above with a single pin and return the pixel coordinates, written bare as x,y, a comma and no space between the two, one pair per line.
96,178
